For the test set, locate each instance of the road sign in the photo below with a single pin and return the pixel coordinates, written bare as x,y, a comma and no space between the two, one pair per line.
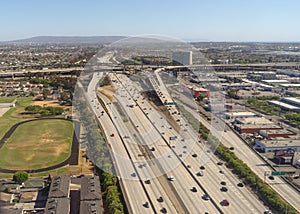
281,173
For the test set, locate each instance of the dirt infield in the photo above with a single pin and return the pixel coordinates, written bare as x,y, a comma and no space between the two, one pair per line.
46,103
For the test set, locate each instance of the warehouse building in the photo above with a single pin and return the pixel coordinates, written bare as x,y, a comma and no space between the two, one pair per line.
255,128
240,114
276,133
278,144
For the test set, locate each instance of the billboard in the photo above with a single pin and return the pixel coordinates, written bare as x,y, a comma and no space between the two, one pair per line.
284,152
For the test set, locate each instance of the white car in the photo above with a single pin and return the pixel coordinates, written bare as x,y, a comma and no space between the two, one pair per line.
171,178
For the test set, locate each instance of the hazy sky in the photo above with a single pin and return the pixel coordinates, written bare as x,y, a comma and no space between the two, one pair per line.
209,20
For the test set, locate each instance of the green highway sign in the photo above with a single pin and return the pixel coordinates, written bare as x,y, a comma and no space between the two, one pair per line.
281,173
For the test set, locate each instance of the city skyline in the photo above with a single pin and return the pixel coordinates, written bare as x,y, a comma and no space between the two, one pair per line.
204,21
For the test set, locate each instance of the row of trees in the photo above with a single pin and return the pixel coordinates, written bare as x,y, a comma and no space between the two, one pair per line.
44,111
262,105
293,117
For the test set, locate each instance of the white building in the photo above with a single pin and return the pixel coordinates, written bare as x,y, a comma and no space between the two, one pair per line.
240,114
182,58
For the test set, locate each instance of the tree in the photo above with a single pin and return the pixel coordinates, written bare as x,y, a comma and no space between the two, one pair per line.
46,92
20,176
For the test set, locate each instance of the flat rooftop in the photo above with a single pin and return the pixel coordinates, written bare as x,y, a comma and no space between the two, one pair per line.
258,126
291,85
254,120
275,81
281,142
240,113
292,99
277,131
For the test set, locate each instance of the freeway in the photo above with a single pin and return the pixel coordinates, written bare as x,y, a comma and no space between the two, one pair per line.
130,186
142,167
250,203
183,182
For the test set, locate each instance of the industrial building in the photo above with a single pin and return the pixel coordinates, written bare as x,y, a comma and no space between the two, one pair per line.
253,120
283,105
255,128
276,133
292,101
277,144
261,75
240,114
287,103
275,82
182,58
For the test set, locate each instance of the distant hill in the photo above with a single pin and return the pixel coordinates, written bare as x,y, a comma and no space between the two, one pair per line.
67,40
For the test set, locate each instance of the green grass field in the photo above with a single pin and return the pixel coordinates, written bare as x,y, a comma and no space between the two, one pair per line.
12,116
37,144
7,99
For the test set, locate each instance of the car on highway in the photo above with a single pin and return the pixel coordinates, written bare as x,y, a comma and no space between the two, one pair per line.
202,167
171,178
147,181
240,184
146,204
224,189
163,210
160,199
220,163
221,171
194,155
231,148
223,183
225,202
112,134
194,189
206,197
199,174
271,177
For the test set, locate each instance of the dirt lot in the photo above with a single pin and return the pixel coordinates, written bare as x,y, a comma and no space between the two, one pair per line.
54,103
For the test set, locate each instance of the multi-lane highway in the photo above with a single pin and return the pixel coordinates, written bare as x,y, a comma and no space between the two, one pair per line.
144,116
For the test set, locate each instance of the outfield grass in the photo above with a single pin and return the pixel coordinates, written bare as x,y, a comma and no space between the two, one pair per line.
12,116
37,144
